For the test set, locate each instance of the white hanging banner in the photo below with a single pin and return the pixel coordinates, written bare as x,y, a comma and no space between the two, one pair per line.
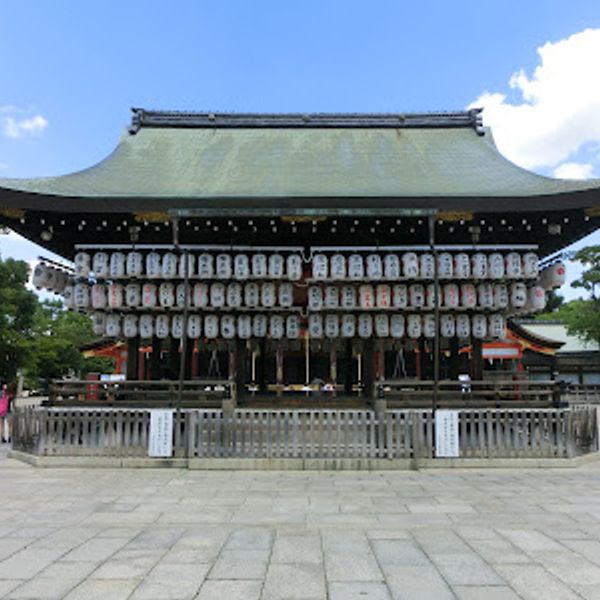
160,440
446,433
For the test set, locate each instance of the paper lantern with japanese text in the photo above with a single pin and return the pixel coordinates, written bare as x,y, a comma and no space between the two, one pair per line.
241,266
116,268
166,294
130,326
162,326
100,265
391,267
114,297
397,326
223,268
83,264
348,326
514,268
365,326
276,327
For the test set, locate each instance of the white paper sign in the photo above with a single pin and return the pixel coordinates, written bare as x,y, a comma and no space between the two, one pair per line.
446,433
160,440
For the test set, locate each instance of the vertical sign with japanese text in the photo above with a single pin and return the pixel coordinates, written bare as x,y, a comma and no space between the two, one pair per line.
446,434
160,440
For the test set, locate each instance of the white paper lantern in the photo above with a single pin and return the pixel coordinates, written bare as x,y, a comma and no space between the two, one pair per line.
251,294
348,326
166,295
426,266
451,293
463,326
146,326
217,295
169,266
133,295
223,269
337,266
518,295
244,327
514,267
200,296
228,327
100,265
113,325
332,326
194,326
497,326
468,295
292,327
241,266
429,326
414,326
82,262
374,266
161,326
276,266
553,276
462,266
445,265
391,267
259,266
496,265
331,297
259,326
68,298
397,326
234,295
366,296
537,297
410,265
98,323
62,279
485,295
286,295
206,266
40,276
382,326
191,263
177,326
430,295
400,296
447,326
268,296
383,296
294,267
356,267
153,268
115,295
501,298
348,297
315,326
98,296
130,326
180,293
478,326
134,264
315,298
416,293
319,266
479,266
365,326
276,327
149,295
51,278
211,326
116,268
530,265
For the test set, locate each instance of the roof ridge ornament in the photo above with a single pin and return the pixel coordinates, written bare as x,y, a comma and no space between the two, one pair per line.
431,120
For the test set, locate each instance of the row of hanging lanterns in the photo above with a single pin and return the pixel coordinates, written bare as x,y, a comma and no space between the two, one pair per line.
319,326
390,266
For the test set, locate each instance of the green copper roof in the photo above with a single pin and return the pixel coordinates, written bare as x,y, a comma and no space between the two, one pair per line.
203,161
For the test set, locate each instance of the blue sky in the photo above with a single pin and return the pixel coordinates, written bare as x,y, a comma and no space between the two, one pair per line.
71,70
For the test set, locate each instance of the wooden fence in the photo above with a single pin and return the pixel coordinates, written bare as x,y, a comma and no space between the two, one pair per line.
358,434
581,394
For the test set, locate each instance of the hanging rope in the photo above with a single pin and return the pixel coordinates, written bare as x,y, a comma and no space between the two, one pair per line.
214,370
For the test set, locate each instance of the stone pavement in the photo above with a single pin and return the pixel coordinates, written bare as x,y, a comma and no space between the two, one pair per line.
155,534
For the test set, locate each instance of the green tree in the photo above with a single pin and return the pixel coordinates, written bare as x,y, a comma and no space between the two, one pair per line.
17,308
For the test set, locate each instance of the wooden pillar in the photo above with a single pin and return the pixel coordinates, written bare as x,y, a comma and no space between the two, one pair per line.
141,374
173,359
367,368
261,376
133,346
279,379
380,361
241,378
476,359
195,354
189,361
422,360
333,368
348,374
454,358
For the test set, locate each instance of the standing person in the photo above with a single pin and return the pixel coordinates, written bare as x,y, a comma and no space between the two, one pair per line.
5,408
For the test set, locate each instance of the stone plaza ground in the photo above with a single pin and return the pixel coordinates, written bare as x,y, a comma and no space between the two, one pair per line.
157,534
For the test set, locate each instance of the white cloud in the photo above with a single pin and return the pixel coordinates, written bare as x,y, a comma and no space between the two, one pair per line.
573,170
17,128
556,110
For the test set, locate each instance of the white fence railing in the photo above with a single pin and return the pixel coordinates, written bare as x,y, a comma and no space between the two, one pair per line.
359,434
